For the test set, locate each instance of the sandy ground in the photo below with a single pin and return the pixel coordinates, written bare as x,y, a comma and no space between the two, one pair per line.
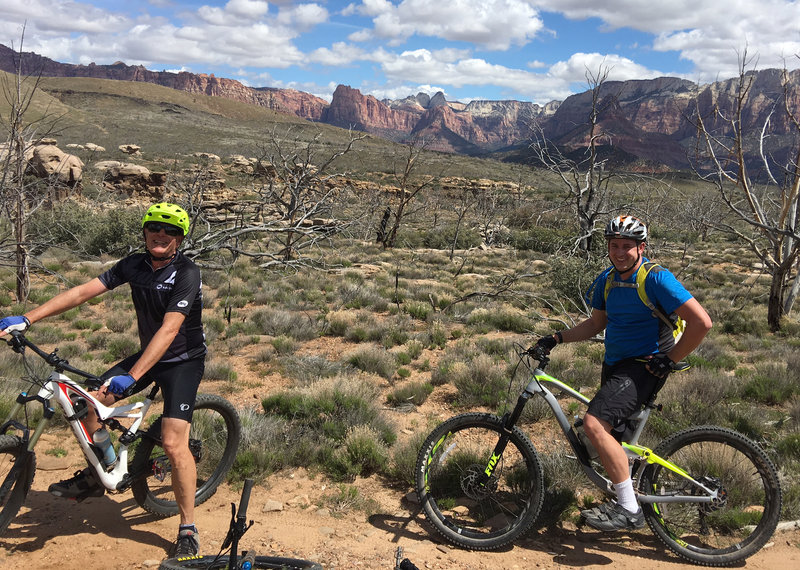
113,532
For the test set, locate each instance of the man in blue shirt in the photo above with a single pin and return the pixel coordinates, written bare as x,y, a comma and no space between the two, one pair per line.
640,353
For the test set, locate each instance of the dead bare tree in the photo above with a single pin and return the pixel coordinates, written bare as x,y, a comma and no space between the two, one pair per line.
586,180
409,187
291,211
760,189
19,196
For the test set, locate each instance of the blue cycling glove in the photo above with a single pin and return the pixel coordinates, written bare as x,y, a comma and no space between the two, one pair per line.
8,324
120,383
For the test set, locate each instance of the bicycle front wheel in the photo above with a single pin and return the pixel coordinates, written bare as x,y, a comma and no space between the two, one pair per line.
17,467
213,440
744,515
464,509
221,562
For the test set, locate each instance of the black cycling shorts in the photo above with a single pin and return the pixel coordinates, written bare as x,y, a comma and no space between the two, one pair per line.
178,382
624,388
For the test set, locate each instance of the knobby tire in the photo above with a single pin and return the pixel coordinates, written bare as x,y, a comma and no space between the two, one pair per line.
17,468
448,471
221,562
733,528
216,430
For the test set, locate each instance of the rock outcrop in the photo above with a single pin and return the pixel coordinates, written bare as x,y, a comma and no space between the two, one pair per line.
645,120
46,160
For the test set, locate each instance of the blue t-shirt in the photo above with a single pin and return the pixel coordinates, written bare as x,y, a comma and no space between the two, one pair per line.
632,330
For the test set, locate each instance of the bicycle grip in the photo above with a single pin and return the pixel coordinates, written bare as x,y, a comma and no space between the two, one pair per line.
248,486
406,564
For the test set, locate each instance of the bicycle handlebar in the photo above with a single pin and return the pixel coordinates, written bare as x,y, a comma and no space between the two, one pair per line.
18,342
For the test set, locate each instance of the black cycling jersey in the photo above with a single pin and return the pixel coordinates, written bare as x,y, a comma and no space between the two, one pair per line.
175,287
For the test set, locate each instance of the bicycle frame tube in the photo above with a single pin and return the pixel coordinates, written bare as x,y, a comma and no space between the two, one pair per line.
63,389
651,458
537,385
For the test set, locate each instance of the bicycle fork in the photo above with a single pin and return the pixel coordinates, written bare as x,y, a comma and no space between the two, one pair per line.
509,421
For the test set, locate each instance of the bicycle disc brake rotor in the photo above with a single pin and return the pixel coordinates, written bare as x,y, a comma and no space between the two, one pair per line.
720,500
470,483
196,448
161,468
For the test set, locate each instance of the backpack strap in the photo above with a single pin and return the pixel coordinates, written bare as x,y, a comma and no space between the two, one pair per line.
639,284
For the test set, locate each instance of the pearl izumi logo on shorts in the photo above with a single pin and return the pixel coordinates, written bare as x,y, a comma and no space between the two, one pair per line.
184,407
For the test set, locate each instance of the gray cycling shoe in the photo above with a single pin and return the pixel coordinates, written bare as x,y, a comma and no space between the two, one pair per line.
186,544
611,517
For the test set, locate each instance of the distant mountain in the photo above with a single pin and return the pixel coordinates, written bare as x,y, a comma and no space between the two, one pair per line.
645,121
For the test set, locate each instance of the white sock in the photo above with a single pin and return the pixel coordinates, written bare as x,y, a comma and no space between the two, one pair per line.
626,496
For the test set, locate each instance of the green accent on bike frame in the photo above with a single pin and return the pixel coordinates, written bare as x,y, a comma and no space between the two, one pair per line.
492,464
562,386
650,457
432,453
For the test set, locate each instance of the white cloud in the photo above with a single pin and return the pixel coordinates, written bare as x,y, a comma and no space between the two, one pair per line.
707,33
493,24
339,54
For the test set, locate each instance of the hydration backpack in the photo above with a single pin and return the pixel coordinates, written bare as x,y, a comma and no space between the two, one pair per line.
673,321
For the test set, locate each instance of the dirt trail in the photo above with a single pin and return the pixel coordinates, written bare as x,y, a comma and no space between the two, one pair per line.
112,532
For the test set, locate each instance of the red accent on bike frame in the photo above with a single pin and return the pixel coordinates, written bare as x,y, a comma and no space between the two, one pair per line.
64,388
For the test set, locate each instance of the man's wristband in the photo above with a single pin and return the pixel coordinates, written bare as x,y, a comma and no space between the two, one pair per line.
559,337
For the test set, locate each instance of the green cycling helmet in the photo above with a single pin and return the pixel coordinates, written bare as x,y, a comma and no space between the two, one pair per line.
167,213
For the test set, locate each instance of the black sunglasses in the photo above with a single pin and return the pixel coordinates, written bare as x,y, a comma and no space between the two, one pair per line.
169,229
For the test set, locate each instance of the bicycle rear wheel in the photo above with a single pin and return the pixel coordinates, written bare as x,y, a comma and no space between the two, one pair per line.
213,440
746,512
219,562
449,466
17,468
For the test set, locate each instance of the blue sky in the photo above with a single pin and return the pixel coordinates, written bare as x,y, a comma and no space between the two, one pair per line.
528,50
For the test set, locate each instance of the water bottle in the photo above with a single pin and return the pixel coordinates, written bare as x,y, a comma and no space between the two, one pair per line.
102,440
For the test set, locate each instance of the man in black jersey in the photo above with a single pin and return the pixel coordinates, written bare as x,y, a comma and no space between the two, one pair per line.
166,292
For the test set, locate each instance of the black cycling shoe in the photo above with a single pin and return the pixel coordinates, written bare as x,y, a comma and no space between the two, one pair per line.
186,544
80,486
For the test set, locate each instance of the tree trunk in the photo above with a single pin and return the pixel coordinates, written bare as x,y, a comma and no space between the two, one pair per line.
775,301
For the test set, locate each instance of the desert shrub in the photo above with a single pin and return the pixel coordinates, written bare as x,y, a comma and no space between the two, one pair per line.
307,369
284,344
693,397
361,454
480,381
562,476
277,322
322,416
412,393
118,322
348,498
544,240
218,369
773,383
67,224
789,446
503,318
738,322
374,360
443,237
262,447
121,346
403,459
572,278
